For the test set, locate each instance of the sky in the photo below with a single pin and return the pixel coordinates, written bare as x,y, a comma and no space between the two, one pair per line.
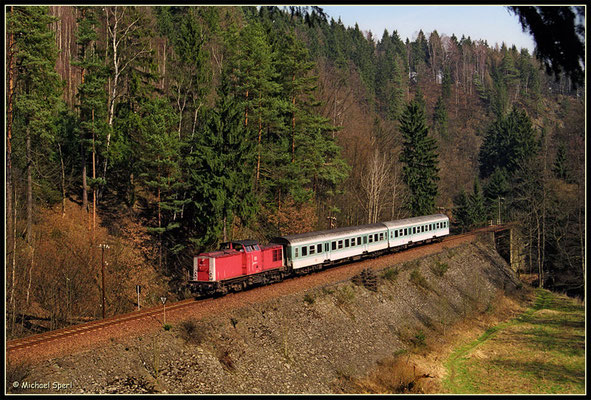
495,24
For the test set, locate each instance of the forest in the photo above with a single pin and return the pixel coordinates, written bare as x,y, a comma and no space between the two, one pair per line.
163,131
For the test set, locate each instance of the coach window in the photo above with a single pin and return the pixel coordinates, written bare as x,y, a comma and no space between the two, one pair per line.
319,248
370,238
326,247
365,240
312,249
359,241
297,250
304,251
340,244
382,236
333,245
395,234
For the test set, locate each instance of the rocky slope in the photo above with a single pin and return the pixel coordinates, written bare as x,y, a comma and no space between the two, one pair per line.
301,343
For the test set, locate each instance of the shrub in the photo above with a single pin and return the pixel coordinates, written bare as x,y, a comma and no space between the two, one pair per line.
419,339
439,268
191,332
390,274
167,327
418,279
308,298
345,295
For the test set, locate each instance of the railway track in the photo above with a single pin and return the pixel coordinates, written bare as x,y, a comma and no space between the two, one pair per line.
154,315
149,313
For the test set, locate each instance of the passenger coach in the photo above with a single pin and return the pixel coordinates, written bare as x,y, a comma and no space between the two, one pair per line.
324,247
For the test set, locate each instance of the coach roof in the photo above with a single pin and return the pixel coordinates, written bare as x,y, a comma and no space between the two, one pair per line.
330,234
401,223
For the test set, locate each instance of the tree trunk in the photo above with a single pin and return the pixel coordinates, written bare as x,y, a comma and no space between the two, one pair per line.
259,143
12,298
94,178
11,72
84,184
63,181
29,187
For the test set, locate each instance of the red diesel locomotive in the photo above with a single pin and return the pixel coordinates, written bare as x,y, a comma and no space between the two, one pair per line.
237,265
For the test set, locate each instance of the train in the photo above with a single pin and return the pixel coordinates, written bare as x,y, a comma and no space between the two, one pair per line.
242,264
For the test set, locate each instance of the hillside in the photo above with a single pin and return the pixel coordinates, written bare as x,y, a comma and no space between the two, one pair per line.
163,131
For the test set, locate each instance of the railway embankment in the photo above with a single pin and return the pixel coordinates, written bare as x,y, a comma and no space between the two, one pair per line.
329,339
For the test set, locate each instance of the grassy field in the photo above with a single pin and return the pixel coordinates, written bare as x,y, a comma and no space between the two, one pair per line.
541,351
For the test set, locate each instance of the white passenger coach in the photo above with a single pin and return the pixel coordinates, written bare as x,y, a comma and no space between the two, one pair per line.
326,247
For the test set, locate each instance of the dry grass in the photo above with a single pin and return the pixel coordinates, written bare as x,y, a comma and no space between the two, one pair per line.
541,351
394,375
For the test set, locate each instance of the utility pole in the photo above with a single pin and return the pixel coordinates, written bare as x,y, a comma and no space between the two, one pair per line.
103,247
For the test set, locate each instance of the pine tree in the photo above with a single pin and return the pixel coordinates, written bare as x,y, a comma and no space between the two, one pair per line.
461,213
495,191
38,89
220,173
420,170
92,99
560,168
440,117
477,209
509,142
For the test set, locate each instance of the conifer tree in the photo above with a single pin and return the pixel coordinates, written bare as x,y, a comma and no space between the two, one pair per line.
92,99
420,159
461,212
37,93
495,191
560,168
220,172
440,117
477,209
509,141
